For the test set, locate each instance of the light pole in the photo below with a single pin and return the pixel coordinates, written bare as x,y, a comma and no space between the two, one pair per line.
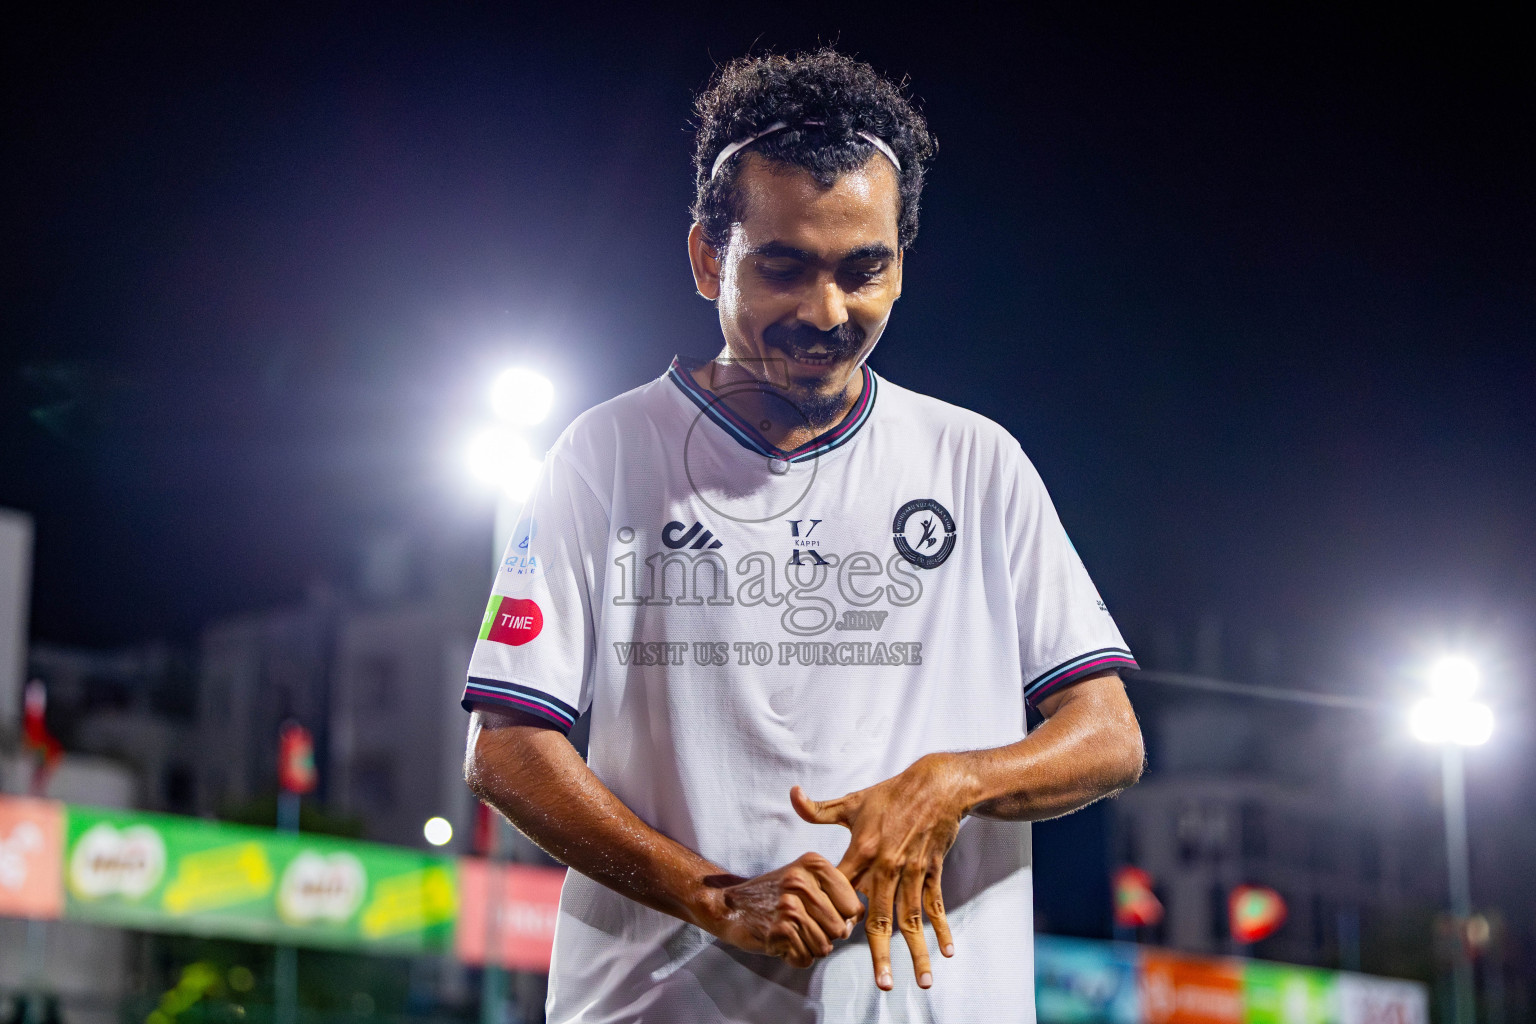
499,455
1451,719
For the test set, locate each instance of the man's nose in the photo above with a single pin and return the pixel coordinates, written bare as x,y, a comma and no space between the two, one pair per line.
825,306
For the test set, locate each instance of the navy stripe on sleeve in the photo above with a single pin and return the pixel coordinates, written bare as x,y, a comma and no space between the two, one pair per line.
498,693
1075,669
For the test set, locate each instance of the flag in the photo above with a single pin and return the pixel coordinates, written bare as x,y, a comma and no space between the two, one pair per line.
35,735
1257,912
1136,905
296,759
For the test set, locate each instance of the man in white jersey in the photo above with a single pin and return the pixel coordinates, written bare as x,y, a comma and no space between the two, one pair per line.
793,596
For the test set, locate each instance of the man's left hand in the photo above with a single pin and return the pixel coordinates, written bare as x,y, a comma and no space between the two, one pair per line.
902,828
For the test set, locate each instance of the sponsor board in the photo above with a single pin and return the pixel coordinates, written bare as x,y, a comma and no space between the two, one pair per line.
522,930
166,873
1367,1000
31,858
1279,994
1188,990
1079,981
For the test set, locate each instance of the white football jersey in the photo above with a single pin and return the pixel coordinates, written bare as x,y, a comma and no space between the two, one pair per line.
737,620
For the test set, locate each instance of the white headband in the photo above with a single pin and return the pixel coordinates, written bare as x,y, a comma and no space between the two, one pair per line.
778,126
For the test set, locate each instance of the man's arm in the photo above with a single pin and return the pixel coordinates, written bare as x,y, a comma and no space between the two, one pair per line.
531,773
1088,747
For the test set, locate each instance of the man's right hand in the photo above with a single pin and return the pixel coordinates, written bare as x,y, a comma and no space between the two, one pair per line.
795,912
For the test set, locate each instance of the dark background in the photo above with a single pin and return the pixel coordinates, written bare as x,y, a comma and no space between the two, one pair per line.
1252,287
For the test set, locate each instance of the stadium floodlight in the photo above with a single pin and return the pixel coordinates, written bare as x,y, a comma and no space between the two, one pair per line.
438,831
1439,721
522,396
1454,677
501,457
1450,715
1450,719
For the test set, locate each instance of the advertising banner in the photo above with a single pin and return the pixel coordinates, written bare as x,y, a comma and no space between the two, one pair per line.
31,855
1179,989
167,873
1278,994
528,899
1367,1000
1079,981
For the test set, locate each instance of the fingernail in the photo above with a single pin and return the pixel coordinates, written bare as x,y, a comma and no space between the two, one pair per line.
849,930
949,950
884,981
924,980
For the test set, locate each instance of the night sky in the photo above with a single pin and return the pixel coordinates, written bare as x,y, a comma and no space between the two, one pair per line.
1254,290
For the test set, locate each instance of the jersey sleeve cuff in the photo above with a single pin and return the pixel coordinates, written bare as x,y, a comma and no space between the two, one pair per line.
1106,659
500,694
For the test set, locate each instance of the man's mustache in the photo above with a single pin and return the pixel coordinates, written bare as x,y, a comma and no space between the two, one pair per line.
840,342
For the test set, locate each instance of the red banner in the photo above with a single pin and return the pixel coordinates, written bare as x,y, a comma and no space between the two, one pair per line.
527,899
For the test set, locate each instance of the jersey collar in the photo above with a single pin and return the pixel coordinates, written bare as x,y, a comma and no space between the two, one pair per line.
750,438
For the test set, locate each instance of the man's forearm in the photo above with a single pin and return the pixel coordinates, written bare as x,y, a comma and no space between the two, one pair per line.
534,776
1088,747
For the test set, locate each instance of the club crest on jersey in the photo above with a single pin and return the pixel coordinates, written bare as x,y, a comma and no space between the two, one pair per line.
924,532
675,535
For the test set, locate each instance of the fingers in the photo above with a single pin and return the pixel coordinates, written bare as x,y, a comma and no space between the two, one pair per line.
836,887
909,917
818,812
786,943
878,925
803,939
819,903
933,903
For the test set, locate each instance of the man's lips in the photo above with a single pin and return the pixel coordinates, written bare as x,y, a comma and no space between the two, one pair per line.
811,358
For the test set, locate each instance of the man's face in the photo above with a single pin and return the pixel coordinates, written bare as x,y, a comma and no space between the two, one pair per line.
806,283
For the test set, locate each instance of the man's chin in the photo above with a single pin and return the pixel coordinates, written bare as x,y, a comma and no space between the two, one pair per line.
819,400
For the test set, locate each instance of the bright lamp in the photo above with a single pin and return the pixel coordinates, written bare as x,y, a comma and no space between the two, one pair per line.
522,396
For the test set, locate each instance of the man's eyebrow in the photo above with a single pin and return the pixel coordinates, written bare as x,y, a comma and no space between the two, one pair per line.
780,251
873,251
783,251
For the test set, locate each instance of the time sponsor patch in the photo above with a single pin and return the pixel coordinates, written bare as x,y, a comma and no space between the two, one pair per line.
513,621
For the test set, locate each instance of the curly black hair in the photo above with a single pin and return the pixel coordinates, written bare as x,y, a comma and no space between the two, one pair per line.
845,95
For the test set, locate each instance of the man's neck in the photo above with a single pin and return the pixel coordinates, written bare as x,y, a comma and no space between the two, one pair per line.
762,398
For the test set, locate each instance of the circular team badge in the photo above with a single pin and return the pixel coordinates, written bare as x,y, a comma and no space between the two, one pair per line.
924,532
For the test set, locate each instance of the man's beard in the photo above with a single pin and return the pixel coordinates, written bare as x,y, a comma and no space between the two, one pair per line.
805,342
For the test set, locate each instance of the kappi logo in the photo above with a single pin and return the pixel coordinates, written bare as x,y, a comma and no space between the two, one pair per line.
513,621
804,545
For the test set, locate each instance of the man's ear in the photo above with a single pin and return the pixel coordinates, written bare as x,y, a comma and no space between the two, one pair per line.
899,254
705,262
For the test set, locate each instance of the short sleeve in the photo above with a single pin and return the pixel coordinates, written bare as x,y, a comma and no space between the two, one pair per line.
534,650
1066,633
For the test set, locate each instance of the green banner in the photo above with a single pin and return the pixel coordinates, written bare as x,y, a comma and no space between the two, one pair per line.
166,873
1277,994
